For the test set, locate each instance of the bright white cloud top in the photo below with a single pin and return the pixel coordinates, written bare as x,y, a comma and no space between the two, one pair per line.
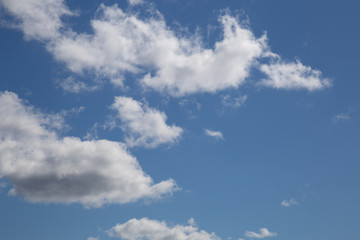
144,126
147,229
122,42
43,167
263,233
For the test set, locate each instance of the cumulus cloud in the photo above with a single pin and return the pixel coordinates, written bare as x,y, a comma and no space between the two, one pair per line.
263,233
289,203
38,19
144,126
160,58
293,75
42,167
214,134
147,229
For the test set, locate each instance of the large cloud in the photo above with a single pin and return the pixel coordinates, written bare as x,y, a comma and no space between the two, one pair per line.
43,167
144,126
38,19
147,229
162,59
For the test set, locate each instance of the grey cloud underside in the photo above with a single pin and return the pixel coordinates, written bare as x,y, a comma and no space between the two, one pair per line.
43,167
122,42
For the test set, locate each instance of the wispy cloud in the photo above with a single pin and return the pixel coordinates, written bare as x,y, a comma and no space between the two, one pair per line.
341,117
289,203
263,233
214,134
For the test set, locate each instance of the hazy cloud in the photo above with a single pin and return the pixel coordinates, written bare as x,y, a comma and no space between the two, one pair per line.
263,233
289,203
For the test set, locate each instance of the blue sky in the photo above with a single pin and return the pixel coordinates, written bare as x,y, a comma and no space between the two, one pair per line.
183,120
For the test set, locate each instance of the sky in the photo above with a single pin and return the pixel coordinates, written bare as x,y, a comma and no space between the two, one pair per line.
181,120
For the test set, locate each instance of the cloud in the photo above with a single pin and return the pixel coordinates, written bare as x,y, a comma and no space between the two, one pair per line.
293,75
289,203
144,126
161,59
42,167
135,2
71,85
147,229
38,19
92,238
341,117
263,233
214,134
235,102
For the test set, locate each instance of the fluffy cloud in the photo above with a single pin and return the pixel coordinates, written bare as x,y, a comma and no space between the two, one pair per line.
289,203
143,125
293,75
38,19
43,167
263,233
161,59
147,229
214,134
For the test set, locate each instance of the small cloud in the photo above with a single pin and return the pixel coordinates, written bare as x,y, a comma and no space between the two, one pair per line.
135,2
92,238
71,85
214,134
289,203
2,185
341,117
234,102
263,233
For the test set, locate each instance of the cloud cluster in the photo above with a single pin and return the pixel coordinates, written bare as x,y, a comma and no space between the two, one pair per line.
43,167
144,126
147,229
162,59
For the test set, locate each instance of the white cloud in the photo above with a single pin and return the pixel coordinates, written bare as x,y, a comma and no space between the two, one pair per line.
147,229
293,75
289,203
214,134
38,19
135,2
45,168
263,233
92,238
162,59
144,126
